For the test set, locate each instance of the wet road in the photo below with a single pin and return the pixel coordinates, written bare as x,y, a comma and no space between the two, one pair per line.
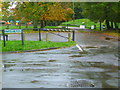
64,68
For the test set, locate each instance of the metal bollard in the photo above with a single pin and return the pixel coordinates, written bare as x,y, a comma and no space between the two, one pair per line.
73,36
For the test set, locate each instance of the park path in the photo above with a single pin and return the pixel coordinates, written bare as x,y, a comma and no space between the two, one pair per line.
67,67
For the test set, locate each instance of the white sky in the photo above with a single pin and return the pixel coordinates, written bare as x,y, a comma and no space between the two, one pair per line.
13,5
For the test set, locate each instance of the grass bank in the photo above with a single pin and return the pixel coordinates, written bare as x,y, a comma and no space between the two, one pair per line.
32,45
88,23
51,27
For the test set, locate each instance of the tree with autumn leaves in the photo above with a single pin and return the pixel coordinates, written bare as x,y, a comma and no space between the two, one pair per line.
5,13
42,12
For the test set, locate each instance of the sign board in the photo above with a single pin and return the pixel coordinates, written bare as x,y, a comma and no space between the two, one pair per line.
13,30
82,26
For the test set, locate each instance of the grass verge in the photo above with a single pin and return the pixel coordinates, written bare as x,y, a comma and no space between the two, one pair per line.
32,45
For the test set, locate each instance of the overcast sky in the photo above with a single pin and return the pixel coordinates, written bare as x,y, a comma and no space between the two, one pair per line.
13,5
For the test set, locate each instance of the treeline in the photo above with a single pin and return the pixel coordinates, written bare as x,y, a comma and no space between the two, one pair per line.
107,12
53,13
44,13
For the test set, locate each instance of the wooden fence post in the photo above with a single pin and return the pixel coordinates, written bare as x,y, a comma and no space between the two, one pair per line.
46,36
69,36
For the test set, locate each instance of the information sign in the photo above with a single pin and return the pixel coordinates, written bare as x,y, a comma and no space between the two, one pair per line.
13,30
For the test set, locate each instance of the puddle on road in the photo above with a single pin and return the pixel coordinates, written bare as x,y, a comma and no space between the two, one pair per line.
76,56
84,52
52,60
8,65
80,84
95,64
60,67
54,53
91,47
34,81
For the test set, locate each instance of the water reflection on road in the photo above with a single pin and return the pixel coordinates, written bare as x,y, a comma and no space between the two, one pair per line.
67,67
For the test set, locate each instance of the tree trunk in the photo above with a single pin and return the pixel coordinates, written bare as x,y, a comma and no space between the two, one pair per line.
7,26
107,25
111,25
35,24
26,25
100,26
42,23
45,23
116,26
19,25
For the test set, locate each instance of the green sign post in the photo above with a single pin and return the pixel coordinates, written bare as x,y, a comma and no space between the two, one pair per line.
12,31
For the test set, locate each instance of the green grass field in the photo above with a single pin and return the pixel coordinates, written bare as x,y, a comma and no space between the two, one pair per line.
22,27
76,23
31,45
51,27
79,22
14,27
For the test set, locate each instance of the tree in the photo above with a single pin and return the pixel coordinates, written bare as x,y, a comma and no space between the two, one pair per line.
102,11
5,11
58,13
42,11
78,10
29,11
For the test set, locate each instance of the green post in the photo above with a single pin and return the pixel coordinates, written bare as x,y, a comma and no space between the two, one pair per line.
46,36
